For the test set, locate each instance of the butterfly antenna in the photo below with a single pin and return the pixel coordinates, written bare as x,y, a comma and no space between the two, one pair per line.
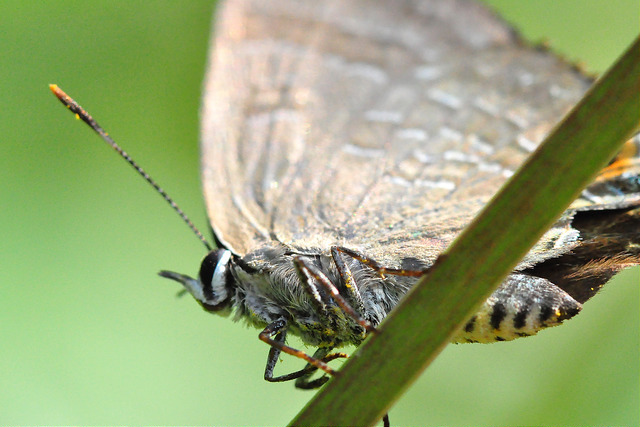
86,117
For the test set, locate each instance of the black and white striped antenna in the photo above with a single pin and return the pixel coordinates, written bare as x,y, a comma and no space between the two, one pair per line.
86,117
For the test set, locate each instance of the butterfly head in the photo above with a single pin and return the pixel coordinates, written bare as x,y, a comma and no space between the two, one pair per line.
212,288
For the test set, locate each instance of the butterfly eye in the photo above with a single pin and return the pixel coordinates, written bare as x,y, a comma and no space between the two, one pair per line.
214,276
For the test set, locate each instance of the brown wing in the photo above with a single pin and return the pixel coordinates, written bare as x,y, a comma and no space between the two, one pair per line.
370,126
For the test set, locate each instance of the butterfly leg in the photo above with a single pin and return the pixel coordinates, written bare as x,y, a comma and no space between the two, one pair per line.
311,272
352,289
374,265
302,376
274,335
305,383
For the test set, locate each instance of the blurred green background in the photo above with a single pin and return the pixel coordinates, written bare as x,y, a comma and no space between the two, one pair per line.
90,335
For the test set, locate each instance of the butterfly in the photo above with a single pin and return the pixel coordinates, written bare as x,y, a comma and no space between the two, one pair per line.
346,144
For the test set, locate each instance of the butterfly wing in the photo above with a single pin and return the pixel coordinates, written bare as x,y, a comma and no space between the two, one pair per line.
380,128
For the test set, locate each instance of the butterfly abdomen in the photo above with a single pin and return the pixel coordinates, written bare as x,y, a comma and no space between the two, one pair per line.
521,307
